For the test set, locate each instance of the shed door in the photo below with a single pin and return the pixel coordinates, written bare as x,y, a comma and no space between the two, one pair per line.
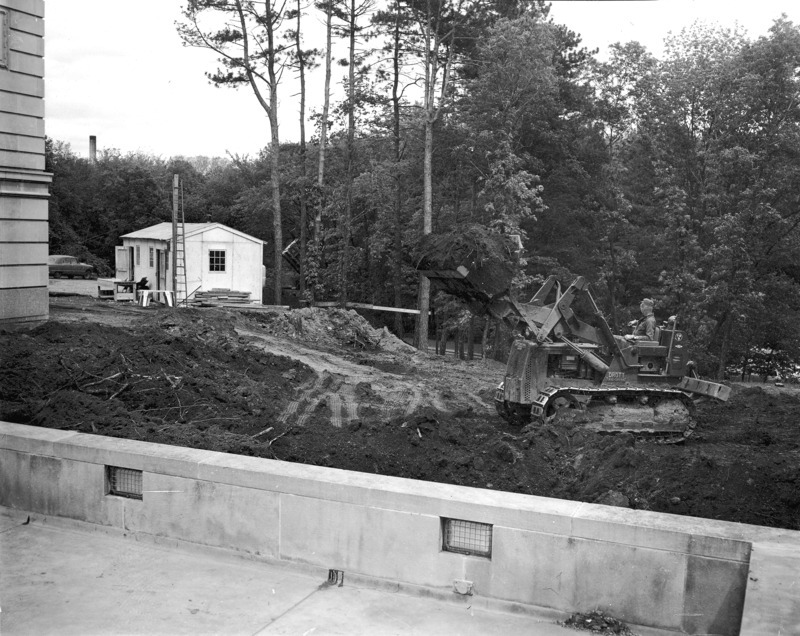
124,262
161,271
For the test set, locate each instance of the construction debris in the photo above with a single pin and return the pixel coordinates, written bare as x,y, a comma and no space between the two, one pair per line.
598,623
219,296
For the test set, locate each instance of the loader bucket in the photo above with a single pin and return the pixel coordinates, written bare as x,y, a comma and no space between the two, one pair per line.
481,284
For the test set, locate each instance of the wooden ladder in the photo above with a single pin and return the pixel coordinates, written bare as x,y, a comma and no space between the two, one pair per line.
179,225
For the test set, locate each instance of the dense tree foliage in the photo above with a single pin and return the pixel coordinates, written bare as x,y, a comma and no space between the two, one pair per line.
675,178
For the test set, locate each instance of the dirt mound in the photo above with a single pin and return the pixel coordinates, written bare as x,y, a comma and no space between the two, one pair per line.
332,327
175,378
342,396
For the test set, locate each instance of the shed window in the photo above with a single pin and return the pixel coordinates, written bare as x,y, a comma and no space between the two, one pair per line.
151,257
216,260
138,255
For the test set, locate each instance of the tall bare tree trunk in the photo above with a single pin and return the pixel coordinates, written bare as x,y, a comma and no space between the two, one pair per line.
424,304
727,328
612,287
275,149
433,42
323,143
471,338
301,63
443,338
345,229
323,132
397,239
485,338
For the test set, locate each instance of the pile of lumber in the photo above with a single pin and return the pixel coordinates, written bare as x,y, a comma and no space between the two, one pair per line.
219,296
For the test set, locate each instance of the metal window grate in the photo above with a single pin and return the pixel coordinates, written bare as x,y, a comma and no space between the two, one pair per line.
124,482
467,537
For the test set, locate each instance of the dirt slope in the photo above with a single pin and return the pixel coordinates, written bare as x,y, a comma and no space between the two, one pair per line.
323,387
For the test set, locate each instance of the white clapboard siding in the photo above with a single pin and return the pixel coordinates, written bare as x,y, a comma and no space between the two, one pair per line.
24,185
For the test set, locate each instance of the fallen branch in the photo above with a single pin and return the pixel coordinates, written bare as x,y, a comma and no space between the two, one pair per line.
101,380
266,430
125,386
174,380
72,380
276,438
182,409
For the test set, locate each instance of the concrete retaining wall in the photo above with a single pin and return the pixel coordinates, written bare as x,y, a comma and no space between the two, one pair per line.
674,573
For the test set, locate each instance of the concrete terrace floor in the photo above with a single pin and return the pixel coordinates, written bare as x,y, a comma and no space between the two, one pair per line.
63,577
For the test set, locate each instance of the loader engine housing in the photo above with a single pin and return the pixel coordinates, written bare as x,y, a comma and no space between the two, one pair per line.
533,366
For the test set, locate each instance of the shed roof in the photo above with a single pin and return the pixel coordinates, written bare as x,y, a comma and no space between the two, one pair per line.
163,231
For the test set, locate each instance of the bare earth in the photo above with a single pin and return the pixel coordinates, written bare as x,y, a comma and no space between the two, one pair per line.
323,387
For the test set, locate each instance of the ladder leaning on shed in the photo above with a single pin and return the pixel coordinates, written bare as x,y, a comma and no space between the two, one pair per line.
178,243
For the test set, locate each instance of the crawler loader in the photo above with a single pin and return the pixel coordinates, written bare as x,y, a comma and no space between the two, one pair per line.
561,366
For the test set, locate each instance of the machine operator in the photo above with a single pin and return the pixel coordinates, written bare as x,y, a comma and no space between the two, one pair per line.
646,327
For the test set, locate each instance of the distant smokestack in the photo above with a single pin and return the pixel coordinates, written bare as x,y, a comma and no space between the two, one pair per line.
92,148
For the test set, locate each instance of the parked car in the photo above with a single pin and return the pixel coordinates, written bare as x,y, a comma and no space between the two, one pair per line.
69,266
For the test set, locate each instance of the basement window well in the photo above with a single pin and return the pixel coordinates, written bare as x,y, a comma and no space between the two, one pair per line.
124,482
467,537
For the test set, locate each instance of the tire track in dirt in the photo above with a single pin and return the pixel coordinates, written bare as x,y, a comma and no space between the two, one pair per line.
438,403
337,376
341,400
343,405
335,405
348,406
414,402
307,391
330,384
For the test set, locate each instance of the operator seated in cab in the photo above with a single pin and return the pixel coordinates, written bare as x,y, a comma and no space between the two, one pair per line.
646,327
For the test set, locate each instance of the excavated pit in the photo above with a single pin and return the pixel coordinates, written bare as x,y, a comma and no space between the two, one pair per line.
323,387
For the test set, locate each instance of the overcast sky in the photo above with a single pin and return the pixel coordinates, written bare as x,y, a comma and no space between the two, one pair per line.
118,70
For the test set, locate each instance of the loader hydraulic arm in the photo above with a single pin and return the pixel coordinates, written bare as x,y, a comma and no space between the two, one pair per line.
561,309
484,290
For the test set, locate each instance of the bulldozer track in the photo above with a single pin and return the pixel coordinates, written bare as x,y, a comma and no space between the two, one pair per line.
335,405
306,390
340,395
415,399
334,390
438,403
544,406
343,406
324,387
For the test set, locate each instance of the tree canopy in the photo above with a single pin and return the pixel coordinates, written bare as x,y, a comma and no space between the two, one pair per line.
675,178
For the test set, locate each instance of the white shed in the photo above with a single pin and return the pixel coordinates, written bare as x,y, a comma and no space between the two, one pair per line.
216,256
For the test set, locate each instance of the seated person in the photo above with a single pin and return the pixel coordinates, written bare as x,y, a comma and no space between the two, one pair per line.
646,327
